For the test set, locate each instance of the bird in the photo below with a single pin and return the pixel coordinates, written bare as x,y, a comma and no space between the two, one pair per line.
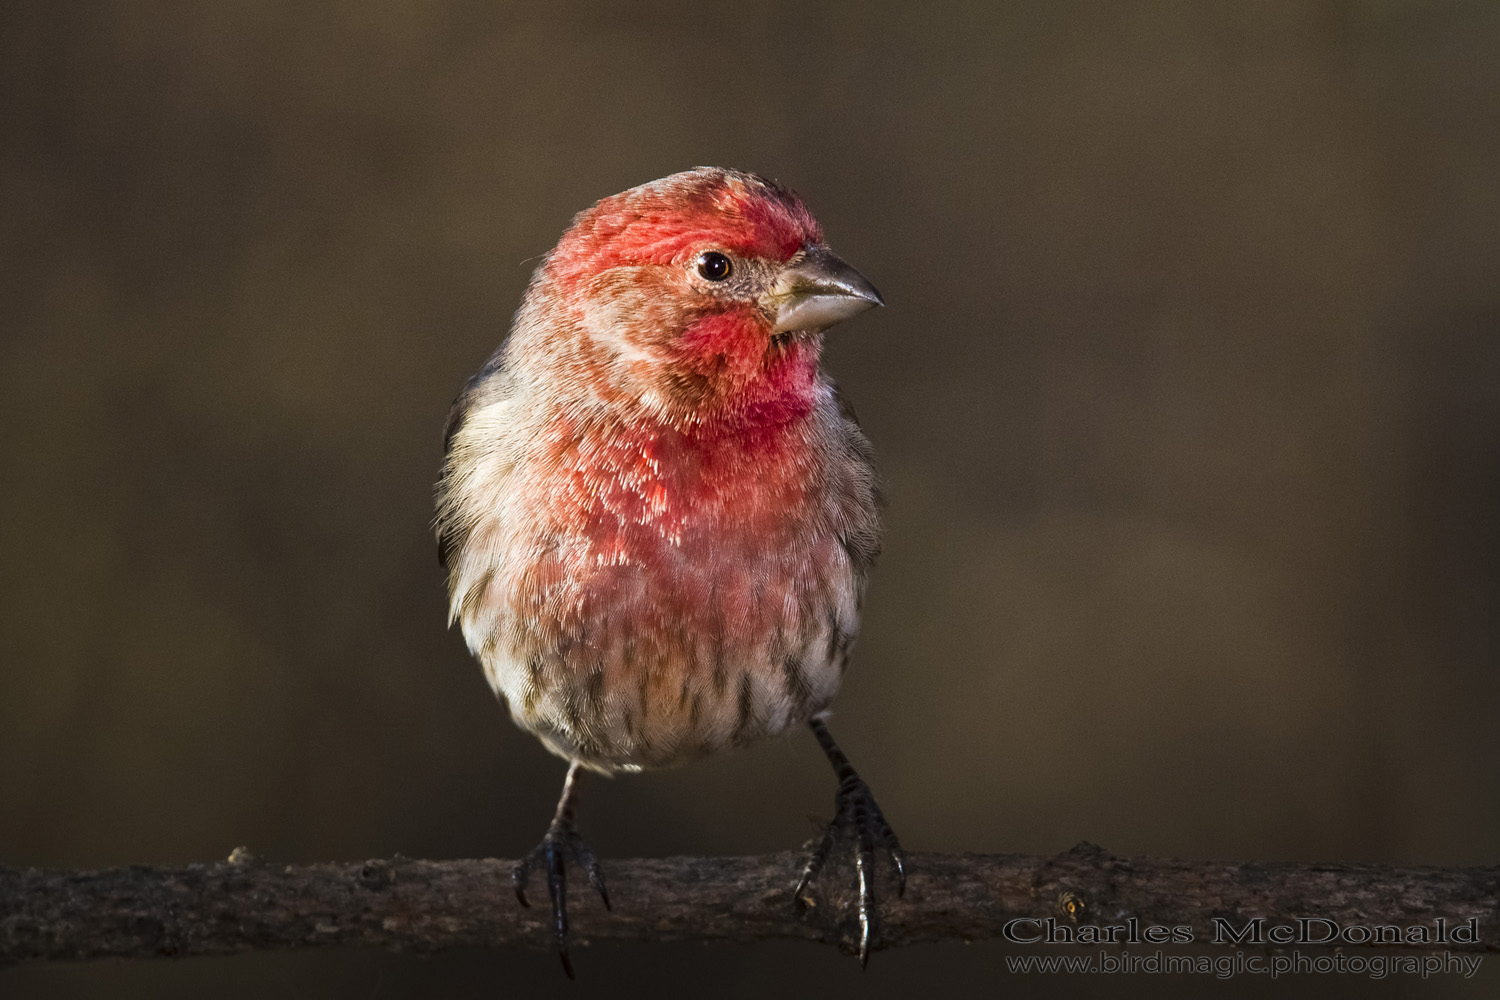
657,513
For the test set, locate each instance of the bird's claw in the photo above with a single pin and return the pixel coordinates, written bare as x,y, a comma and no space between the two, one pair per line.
856,812
561,839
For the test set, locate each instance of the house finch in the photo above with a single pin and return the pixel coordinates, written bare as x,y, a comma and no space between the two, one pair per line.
657,514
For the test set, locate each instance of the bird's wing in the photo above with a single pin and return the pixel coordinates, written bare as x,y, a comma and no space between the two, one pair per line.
490,385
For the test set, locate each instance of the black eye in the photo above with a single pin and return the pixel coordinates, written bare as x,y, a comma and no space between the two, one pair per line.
714,266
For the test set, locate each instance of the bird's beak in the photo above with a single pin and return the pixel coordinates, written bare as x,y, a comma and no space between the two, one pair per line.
817,289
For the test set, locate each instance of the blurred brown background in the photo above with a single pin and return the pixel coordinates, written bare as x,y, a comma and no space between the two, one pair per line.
1187,395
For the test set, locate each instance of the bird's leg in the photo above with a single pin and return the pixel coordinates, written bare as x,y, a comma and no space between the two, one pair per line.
855,812
561,838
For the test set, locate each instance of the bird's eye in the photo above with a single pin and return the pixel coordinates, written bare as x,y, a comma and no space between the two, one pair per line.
714,266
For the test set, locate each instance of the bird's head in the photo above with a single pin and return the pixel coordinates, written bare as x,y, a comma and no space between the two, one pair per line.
701,294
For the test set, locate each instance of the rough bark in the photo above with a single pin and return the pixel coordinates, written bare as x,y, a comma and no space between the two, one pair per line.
243,904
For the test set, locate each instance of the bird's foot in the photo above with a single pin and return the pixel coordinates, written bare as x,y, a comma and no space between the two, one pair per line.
561,839
856,814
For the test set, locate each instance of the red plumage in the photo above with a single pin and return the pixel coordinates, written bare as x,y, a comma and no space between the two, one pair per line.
656,514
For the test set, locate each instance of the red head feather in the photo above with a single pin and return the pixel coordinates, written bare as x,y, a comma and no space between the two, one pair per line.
669,220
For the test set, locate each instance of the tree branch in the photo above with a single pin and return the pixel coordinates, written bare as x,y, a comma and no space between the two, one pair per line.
244,904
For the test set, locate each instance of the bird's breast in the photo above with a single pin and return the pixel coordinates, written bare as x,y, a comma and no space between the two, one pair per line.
661,596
